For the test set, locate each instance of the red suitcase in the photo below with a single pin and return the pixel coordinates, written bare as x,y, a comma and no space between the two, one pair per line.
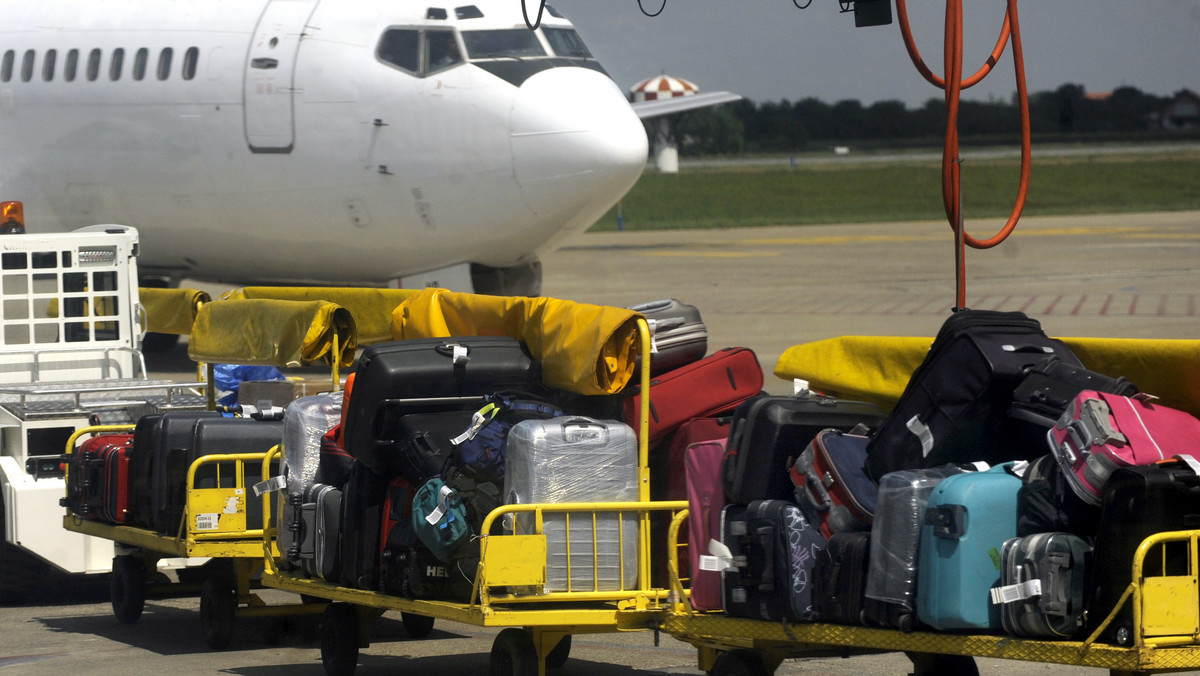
116,499
87,478
706,500
707,387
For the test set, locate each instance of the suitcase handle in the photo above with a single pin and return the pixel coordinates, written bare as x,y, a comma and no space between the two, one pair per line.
806,483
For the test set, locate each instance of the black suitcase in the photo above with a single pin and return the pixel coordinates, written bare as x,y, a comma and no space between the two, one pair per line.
768,431
955,406
841,578
210,436
429,369
363,500
1139,502
770,576
1046,503
677,333
418,446
321,515
152,435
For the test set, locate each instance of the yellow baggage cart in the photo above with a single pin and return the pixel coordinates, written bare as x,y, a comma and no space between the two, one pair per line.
579,351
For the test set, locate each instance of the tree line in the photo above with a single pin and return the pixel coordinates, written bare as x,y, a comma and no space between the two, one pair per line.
807,124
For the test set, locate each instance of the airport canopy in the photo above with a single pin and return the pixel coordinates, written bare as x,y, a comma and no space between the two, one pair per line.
267,332
587,349
877,368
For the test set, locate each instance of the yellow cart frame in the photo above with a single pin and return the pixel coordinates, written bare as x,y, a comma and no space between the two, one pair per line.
1166,628
226,593
538,625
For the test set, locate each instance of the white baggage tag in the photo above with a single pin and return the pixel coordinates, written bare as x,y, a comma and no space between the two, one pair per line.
275,483
923,433
461,354
438,512
1191,463
800,386
719,557
1013,593
652,325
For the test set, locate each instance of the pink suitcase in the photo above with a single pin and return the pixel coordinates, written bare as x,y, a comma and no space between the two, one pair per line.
1100,433
706,498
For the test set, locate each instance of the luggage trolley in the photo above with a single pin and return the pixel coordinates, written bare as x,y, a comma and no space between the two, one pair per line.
215,522
1166,629
510,583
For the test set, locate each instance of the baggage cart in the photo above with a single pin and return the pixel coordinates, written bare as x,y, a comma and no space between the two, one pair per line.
215,523
509,589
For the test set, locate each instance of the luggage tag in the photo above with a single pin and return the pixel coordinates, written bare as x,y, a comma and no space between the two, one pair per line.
1014,593
1191,462
719,557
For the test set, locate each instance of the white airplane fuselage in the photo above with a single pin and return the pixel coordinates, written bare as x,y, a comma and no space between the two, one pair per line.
278,142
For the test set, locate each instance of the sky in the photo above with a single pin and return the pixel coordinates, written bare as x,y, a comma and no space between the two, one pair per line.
768,50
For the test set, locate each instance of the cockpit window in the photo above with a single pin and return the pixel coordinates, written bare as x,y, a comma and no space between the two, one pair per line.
566,42
401,47
441,51
499,44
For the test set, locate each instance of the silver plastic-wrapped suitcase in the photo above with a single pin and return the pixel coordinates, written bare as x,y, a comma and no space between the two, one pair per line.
305,421
577,459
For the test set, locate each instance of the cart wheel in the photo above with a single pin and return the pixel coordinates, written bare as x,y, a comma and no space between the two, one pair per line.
417,626
559,655
218,604
339,639
513,654
739,663
127,588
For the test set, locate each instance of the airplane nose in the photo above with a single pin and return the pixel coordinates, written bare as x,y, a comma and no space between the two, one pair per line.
577,145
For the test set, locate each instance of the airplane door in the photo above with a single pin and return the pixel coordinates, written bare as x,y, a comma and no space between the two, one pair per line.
270,73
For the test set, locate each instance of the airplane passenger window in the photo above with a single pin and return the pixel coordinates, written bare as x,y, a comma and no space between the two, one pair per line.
6,66
71,65
190,58
499,44
140,59
114,66
164,63
48,64
93,65
27,65
400,47
566,42
441,51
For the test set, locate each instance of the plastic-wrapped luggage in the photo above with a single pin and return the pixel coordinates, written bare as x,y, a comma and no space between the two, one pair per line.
576,459
305,422
895,544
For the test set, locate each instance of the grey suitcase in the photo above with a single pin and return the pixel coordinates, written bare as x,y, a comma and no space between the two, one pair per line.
1043,585
576,459
321,532
305,421
678,335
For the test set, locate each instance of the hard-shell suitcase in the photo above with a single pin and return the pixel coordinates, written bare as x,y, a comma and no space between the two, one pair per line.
708,387
115,507
1139,502
768,432
210,436
955,406
1046,502
841,578
305,422
152,436
1101,432
429,368
575,459
895,545
770,573
87,484
678,335
1043,585
831,483
967,519
706,500
320,516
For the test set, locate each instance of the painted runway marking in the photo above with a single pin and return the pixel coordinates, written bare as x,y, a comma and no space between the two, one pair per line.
1162,305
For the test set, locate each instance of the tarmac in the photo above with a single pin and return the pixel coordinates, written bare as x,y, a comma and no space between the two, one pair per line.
1132,275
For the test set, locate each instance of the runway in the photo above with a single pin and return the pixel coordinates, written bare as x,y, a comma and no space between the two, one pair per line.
1132,275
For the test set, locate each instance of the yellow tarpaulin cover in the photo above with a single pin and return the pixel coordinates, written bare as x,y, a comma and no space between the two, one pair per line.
370,307
281,333
877,368
171,310
588,349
